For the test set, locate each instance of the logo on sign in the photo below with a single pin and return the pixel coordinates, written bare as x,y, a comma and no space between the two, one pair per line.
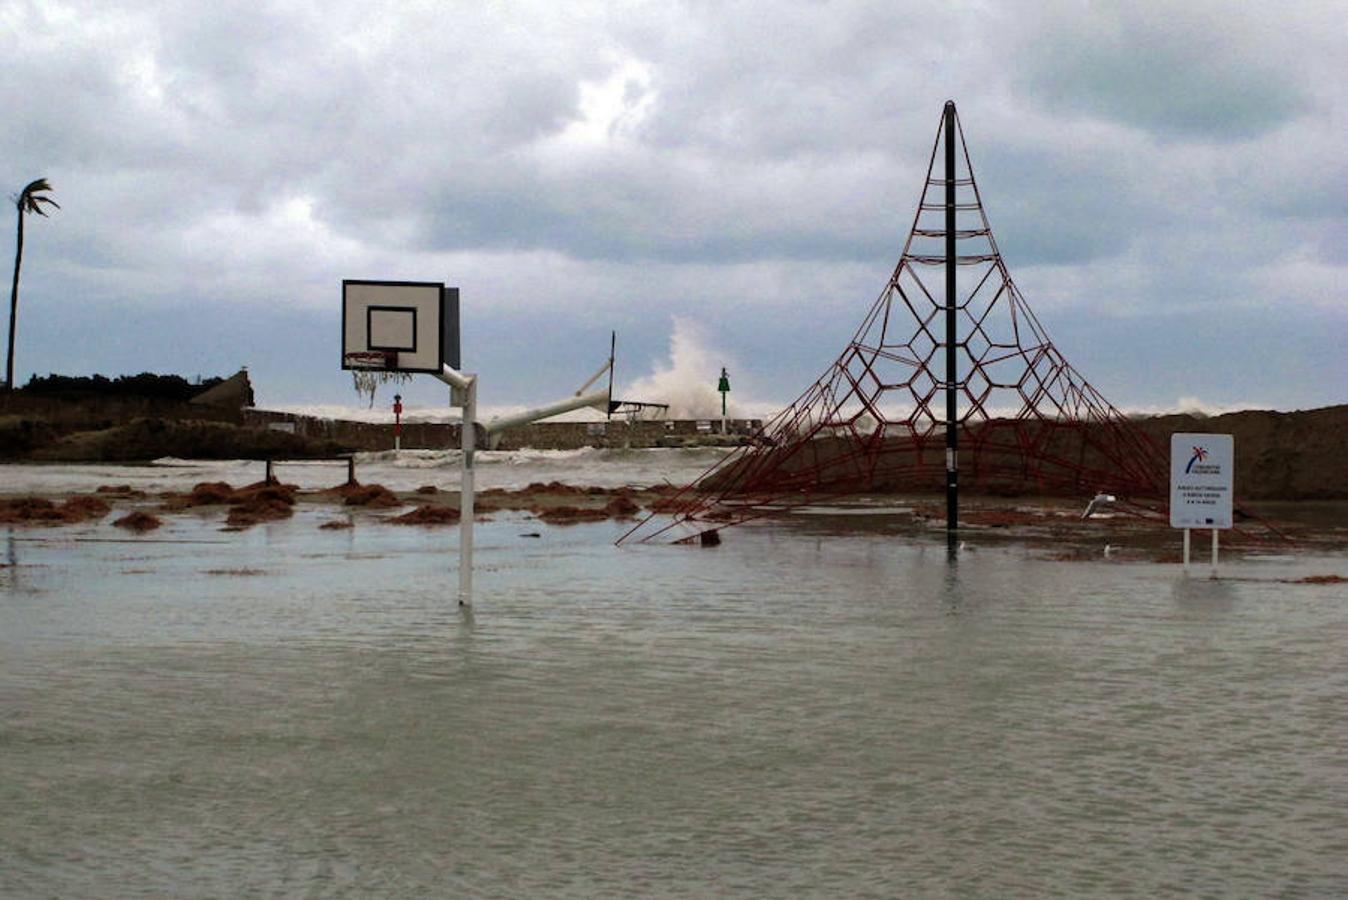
1198,466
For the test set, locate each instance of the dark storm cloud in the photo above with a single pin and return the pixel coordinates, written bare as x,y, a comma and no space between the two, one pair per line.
572,165
1176,70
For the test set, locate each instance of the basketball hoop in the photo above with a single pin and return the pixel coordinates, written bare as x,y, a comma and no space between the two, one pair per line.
371,368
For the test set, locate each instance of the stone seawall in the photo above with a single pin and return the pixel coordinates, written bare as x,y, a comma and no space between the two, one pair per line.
372,436
58,410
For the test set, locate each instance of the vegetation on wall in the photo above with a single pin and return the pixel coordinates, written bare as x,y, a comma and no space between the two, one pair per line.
146,384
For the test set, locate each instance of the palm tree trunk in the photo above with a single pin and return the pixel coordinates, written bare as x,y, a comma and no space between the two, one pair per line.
14,306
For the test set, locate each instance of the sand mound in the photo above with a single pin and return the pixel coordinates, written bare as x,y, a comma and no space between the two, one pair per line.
262,493
428,515
210,493
620,507
85,507
375,496
139,522
570,515
260,503
29,509
41,510
336,524
552,487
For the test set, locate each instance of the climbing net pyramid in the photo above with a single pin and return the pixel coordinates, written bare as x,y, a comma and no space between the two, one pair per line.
1027,421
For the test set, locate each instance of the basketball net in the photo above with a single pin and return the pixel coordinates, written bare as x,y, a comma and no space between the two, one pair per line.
366,381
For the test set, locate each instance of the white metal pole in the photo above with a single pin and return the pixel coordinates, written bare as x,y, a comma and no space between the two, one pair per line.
1214,553
598,400
468,441
1186,551
467,384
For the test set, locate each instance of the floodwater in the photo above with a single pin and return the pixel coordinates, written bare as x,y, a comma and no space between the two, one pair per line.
403,471
811,709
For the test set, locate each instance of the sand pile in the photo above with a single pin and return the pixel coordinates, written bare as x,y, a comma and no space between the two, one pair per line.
428,514
205,493
569,515
617,508
375,496
119,490
139,522
39,510
260,503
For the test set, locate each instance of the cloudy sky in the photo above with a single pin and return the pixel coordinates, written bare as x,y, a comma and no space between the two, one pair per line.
731,180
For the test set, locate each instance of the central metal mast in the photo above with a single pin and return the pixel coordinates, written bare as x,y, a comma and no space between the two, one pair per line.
951,418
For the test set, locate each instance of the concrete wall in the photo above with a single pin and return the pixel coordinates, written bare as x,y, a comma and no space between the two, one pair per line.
540,435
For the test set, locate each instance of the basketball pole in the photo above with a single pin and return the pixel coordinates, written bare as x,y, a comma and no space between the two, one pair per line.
466,386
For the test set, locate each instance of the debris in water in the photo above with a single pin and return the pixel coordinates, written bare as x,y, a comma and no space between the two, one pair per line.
428,514
375,496
139,521
41,510
570,515
621,507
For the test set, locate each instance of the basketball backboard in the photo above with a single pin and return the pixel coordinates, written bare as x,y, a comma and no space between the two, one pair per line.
414,323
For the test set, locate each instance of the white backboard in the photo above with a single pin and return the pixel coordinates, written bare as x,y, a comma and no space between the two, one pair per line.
417,320
1202,475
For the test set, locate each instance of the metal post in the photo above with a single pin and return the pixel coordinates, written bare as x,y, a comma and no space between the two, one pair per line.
1186,551
464,386
951,327
468,441
1214,553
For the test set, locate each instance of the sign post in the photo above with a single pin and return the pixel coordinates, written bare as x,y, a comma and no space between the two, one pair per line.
1202,470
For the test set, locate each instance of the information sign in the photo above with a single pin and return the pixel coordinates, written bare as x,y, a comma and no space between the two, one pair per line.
1201,475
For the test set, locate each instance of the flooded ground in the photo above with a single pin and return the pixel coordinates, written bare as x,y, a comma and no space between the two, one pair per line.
809,709
403,471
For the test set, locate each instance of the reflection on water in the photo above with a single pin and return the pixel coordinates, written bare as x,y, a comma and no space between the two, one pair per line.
788,714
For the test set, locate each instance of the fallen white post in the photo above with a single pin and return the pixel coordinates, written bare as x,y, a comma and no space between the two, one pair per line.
597,400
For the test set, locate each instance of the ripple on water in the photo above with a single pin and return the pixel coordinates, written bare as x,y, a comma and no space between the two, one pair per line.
780,716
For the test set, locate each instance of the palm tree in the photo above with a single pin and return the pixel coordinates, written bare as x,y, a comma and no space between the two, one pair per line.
30,200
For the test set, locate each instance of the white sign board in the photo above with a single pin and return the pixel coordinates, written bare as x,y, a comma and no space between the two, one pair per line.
1202,467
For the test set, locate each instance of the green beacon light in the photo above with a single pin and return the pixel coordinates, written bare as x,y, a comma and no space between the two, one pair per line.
724,387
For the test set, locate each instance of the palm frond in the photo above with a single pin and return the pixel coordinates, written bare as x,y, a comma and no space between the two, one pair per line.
35,208
30,199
